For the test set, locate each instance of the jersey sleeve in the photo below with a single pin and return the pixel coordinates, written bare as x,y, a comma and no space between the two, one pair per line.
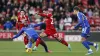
20,32
79,21
45,15
42,14
36,25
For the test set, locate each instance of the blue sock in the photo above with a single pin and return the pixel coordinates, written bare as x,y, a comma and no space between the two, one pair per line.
86,44
90,43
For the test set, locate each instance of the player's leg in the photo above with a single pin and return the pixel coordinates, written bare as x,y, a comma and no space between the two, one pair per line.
38,41
37,44
61,40
44,45
86,45
29,48
25,41
85,32
93,44
64,43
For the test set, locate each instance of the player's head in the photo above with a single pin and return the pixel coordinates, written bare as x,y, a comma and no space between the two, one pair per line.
22,12
76,9
26,23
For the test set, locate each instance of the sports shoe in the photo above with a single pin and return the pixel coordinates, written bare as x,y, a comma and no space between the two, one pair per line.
49,51
34,49
26,46
89,52
69,47
97,47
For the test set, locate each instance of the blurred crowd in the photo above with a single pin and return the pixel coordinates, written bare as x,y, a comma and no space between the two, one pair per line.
62,12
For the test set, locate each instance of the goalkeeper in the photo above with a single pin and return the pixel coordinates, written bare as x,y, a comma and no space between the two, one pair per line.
33,36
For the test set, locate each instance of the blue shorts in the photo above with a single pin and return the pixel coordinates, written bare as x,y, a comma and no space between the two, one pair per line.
85,32
35,37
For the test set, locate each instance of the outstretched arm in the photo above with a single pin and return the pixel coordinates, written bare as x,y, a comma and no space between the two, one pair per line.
45,15
21,31
36,25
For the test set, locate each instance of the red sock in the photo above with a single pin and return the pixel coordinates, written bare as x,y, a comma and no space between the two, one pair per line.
64,42
38,42
25,40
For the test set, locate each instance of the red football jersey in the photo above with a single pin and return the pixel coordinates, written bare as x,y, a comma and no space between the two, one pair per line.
21,20
50,29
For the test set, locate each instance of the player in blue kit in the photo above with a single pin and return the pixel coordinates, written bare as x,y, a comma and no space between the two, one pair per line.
33,36
83,22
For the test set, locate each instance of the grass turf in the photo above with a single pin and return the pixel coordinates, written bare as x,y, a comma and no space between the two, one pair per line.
10,48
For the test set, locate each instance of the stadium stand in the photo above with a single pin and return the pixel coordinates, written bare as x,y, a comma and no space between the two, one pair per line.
62,12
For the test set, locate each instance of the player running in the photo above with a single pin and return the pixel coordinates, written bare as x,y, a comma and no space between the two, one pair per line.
20,23
83,22
50,29
32,36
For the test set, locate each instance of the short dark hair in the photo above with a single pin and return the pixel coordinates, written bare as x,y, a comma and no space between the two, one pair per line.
76,8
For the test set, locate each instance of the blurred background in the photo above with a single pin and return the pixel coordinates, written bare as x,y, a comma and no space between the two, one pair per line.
63,18
62,14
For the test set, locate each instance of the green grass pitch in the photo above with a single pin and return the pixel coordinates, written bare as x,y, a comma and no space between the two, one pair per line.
10,48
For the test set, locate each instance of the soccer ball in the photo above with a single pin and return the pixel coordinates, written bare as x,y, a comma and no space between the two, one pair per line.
29,50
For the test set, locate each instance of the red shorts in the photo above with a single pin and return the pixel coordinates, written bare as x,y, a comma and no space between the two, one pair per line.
51,33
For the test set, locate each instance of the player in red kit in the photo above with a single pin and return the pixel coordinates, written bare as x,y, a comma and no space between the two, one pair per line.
20,23
50,29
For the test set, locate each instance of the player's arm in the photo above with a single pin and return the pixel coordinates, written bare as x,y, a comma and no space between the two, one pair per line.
36,25
79,21
42,14
20,32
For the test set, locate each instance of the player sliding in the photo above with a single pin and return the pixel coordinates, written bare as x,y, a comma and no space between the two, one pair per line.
32,36
83,22
50,29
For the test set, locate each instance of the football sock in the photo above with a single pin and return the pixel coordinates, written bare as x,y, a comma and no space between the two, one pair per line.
44,45
94,44
86,44
25,40
64,42
90,49
38,42
26,46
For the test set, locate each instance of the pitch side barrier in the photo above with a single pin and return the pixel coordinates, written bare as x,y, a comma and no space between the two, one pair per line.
71,36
